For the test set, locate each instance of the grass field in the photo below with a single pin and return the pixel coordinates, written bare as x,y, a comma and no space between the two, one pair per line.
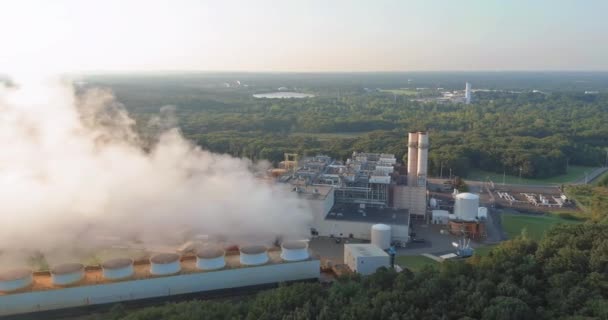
483,250
574,173
414,263
535,226
402,92
600,178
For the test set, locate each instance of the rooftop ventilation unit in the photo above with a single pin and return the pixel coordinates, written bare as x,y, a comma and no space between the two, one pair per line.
294,251
118,268
253,255
16,279
164,264
210,258
67,273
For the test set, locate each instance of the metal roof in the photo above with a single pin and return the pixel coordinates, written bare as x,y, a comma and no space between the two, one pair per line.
365,250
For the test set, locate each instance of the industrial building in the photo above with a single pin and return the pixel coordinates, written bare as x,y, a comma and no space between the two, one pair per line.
163,275
365,259
348,198
467,93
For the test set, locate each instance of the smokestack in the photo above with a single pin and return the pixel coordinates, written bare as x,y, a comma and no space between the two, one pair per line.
467,93
423,157
412,158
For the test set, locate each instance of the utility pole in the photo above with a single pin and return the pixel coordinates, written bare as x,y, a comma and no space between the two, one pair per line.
450,174
504,176
520,169
441,171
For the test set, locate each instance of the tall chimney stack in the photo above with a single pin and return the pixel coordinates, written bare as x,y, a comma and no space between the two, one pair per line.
412,159
423,157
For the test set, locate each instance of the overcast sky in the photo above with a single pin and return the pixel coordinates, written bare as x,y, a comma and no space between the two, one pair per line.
324,35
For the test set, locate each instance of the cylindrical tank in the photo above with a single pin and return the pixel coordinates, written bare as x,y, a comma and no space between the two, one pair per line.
294,251
67,273
164,264
381,236
412,157
210,258
423,153
482,213
118,268
433,203
253,255
466,206
16,279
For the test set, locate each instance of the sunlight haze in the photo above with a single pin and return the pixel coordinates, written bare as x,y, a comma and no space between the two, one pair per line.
302,35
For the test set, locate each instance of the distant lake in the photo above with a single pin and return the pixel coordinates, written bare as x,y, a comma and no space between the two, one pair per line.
283,95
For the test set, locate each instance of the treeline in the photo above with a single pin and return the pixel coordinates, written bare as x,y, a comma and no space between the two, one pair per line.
564,276
535,133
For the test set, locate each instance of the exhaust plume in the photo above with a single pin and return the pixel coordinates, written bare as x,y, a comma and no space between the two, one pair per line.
74,171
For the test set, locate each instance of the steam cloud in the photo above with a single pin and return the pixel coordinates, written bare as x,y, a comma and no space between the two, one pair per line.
73,171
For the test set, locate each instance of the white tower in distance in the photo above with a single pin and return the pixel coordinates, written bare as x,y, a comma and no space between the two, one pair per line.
467,93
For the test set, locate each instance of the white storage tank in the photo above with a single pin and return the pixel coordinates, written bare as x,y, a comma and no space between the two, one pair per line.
294,251
15,279
210,258
67,273
466,206
381,236
433,203
164,264
482,213
118,268
253,255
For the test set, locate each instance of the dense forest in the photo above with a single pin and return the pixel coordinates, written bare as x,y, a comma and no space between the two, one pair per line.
564,276
535,133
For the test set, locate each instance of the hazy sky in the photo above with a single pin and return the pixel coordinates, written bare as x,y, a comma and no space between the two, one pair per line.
324,35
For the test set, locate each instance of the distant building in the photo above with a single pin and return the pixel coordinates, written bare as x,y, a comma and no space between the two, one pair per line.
467,93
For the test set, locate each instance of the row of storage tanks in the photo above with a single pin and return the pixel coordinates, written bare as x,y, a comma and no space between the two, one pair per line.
209,258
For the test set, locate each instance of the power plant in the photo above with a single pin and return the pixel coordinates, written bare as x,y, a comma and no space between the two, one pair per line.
369,197
349,197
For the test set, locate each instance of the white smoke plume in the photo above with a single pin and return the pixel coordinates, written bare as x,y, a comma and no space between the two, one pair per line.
73,171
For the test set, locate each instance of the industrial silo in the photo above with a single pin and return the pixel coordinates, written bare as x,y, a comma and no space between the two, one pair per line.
466,206
164,264
381,236
423,154
253,255
118,268
294,251
210,258
67,273
16,279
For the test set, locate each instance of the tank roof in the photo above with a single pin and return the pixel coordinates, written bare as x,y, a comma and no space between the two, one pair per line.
117,263
210,253
163,258
67,268
15,274
467,195
254,249
381,226
294,245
